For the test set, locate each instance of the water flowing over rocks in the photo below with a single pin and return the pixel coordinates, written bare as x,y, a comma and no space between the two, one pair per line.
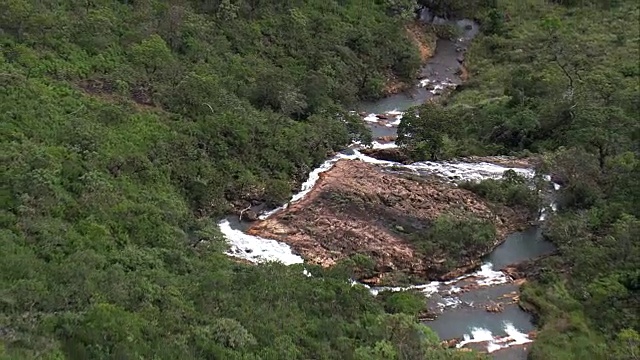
256,249
360,208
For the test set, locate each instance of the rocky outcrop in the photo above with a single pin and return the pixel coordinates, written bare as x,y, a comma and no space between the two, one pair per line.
387,139
388,154
425,42
529,269
359,208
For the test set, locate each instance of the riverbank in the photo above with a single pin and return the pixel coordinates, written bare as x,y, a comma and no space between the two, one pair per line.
425,43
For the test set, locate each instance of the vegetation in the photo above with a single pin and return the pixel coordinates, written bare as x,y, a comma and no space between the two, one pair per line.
511,190
129,126
455,239
559,78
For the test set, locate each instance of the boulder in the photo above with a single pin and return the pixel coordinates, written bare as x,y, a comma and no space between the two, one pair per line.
250,215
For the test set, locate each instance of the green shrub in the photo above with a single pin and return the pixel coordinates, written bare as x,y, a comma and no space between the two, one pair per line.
403,302
454,239
511,190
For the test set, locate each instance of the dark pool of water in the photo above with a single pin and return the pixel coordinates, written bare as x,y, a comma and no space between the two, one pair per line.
519,247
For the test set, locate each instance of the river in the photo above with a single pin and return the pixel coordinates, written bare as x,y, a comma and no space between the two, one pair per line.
465,314
460,305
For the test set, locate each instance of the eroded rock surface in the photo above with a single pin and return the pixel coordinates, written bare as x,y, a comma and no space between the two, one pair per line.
359,208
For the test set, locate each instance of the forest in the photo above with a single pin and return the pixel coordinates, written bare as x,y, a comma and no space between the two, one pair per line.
129,127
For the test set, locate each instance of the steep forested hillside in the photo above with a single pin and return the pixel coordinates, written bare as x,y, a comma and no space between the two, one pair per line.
127,126
561,79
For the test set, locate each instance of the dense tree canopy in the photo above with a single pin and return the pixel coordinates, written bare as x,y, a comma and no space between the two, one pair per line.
128,126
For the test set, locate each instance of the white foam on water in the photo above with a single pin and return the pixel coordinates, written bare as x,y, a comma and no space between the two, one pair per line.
255,248
357,155
427,289
468,171
492,346
377,145
486,276
514,337
436,88
517,337
265,215
371,118
314,176
477,335
543,215
461,171
451,302
543,212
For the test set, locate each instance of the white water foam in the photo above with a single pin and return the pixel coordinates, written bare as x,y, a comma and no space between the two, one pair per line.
517,337
460,171
371,118
543,212
257,249
464,171
513,337
477,335
390,145
377,118
306,187
435,89
486,276
427,289
450,302
439,86
397,121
